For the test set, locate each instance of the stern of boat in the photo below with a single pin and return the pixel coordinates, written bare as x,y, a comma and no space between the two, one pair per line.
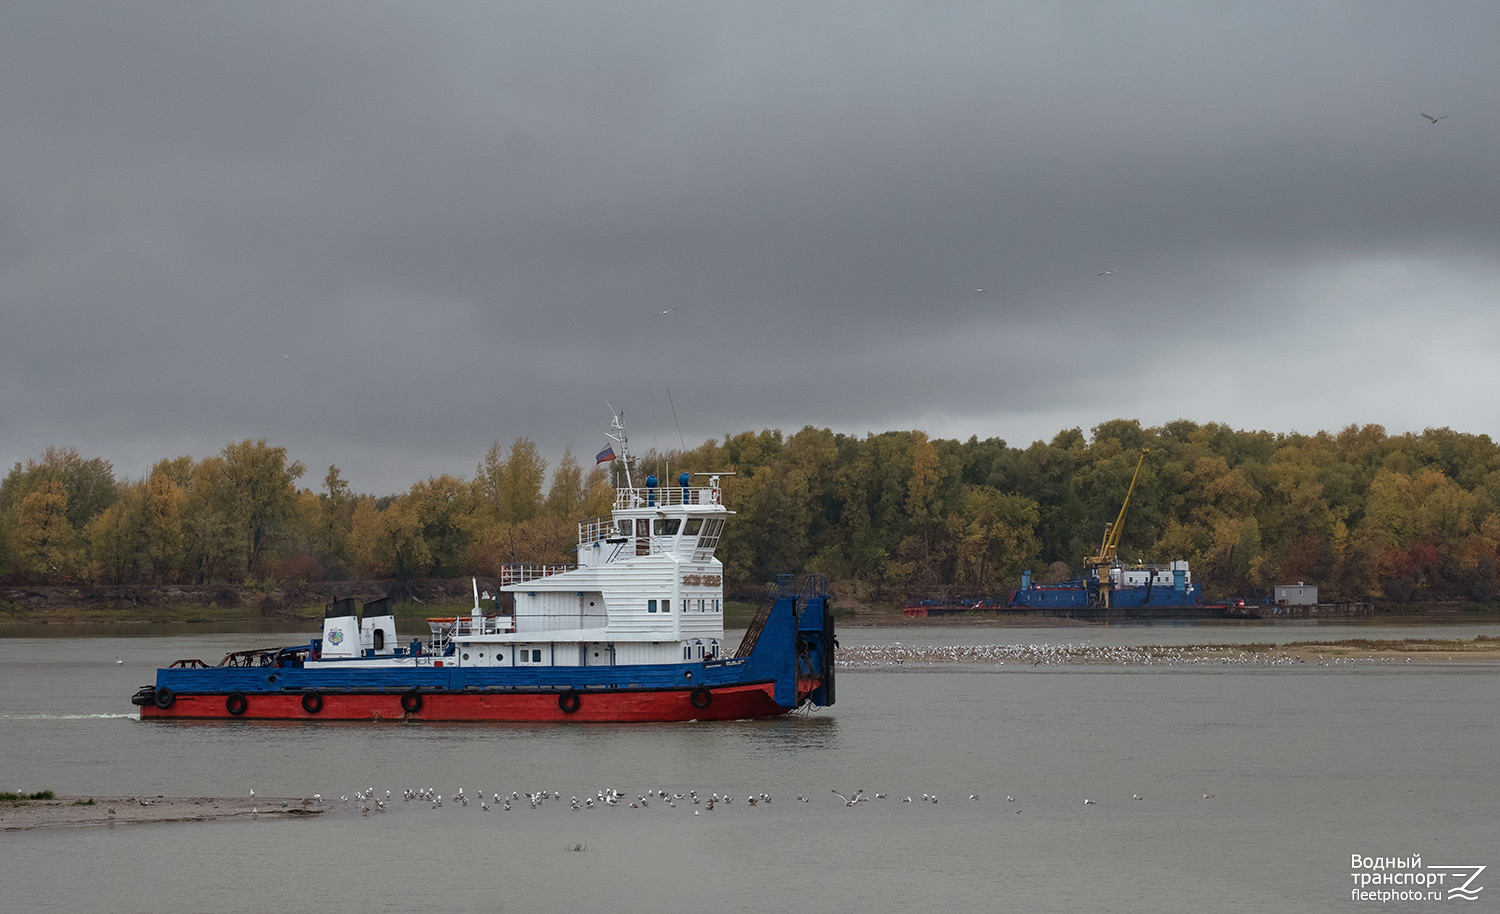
816,642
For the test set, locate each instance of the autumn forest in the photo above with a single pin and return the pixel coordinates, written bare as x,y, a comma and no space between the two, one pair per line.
1366,515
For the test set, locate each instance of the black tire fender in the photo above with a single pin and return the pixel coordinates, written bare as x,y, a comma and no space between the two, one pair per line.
411,702
701,698
312,702
569,701
164,698
236,703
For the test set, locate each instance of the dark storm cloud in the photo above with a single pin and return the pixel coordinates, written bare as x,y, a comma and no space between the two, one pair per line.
386,235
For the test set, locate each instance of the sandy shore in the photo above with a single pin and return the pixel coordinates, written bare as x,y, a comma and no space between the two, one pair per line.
1410,652
77,811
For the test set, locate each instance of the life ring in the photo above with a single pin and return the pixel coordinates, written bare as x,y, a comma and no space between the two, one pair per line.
164,698
411,702
312,702
701,698
568,701
236,703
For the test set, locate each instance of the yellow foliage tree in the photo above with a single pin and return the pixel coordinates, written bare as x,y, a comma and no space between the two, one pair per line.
45,544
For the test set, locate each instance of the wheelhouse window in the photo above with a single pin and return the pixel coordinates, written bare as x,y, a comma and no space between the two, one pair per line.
694,525
650,606
709,539
666,526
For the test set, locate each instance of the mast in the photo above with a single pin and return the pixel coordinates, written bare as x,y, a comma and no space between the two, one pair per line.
617,434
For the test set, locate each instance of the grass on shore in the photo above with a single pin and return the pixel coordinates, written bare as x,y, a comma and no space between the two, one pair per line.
17,798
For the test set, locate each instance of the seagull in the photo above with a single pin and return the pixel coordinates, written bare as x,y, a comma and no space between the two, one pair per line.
1434,120
118,661
1209,796
252,791
1087,802
1105,273
666,311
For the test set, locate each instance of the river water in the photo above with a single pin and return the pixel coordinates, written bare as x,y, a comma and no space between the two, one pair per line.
1306,766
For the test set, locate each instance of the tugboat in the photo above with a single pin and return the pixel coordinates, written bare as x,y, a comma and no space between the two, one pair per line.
633,632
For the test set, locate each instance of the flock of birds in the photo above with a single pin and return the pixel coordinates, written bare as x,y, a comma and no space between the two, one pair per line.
898,655
367,800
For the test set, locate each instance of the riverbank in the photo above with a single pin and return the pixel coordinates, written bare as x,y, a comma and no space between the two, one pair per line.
182,603
298,605
85,811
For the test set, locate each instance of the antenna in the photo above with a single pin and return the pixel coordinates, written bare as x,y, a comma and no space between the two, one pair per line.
617,434
674,420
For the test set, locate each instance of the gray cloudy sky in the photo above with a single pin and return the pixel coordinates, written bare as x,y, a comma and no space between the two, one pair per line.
386,235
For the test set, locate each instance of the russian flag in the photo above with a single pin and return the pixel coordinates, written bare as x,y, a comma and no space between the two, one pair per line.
605,456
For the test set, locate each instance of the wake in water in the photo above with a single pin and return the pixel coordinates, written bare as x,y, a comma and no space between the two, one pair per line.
123,716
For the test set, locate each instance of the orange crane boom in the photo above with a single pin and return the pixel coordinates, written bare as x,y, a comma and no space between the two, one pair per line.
1099,565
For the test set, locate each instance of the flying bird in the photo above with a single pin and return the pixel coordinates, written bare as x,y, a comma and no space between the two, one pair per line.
1434,120
1105,273
666,311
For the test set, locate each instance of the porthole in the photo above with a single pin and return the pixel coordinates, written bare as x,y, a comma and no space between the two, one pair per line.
466,656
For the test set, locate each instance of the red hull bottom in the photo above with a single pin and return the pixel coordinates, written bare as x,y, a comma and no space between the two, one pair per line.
725,703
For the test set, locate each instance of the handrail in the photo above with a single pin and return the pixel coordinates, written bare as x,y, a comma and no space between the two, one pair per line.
520,573
667,496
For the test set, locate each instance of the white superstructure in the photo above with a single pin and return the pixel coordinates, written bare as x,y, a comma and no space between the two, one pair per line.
646,589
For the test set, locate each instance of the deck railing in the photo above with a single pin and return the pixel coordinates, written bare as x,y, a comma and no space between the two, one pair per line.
520,574
668,496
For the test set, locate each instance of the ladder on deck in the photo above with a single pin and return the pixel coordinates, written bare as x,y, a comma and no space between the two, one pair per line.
785,586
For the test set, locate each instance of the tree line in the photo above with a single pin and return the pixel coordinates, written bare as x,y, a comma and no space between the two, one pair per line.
1366,515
